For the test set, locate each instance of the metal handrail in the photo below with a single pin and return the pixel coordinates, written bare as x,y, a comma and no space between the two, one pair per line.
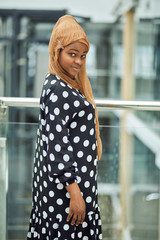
101,103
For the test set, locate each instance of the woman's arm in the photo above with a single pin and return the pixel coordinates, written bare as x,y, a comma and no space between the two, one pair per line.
77,207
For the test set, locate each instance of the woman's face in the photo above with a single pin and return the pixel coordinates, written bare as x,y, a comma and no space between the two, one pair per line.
72,58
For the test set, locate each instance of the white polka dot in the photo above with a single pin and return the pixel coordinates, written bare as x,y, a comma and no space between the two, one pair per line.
49,167
65,94
86,184
66,157
83,128
53,82
45,82
52,157
43,230
93,189
65,139
58,128
84,224
73,124
76,139
78,179
88,199
80,234
67,195
100,236
66,106
59,216
51,193
45,170
51,136
89,158
62,84
76,103
35,234
35,184
45,199
51,209
86,143
44,153
84,169
43,122
91,131
56,111
93,146
55,225
60,186
91,232
46,110
70,148
68,174
75,94
91,173
52,117
45,184
67,210
86,103
80,154
81,113
43,137
48,91
63,122
43,94
66,227
60,166
59,201
89,117
57,148
54,98
66,118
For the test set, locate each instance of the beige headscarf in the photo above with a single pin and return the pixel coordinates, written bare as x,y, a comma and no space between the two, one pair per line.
66,31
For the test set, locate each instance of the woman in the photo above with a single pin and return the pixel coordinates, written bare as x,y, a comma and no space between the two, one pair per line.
68,144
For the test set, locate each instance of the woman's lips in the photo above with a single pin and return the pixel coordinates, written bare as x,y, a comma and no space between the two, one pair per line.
76,68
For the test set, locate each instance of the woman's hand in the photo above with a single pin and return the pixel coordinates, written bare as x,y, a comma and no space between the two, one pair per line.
77,207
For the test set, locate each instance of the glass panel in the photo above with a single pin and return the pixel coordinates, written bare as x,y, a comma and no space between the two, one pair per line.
21,142
128,179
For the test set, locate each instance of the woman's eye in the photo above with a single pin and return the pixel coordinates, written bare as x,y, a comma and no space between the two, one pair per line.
72,54
83,56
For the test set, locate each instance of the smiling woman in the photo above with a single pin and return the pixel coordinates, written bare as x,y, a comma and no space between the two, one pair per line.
72,58
65,200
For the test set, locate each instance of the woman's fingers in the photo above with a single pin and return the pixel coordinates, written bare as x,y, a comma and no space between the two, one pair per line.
75,218
79,220
69,217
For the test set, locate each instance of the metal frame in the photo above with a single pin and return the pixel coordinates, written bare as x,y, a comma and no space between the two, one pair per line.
101,103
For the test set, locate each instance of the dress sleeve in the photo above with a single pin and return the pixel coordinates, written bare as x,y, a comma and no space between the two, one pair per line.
58,113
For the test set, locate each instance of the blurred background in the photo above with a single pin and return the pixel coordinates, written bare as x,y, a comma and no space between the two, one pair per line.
123,64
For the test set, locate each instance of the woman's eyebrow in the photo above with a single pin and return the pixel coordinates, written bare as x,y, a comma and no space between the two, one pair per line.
73,49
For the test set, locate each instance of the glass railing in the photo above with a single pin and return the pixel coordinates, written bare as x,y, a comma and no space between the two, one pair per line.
128,172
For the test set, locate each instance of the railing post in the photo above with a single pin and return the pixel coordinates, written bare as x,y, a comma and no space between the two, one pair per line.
3,171
126,140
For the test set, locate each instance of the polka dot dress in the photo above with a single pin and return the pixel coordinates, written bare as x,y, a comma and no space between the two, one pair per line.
66,152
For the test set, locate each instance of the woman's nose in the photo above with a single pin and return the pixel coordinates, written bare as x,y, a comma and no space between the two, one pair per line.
78,61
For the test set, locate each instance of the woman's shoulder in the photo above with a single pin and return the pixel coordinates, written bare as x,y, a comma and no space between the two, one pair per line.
54,83
55,89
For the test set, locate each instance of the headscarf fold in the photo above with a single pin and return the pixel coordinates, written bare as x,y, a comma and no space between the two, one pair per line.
67,31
